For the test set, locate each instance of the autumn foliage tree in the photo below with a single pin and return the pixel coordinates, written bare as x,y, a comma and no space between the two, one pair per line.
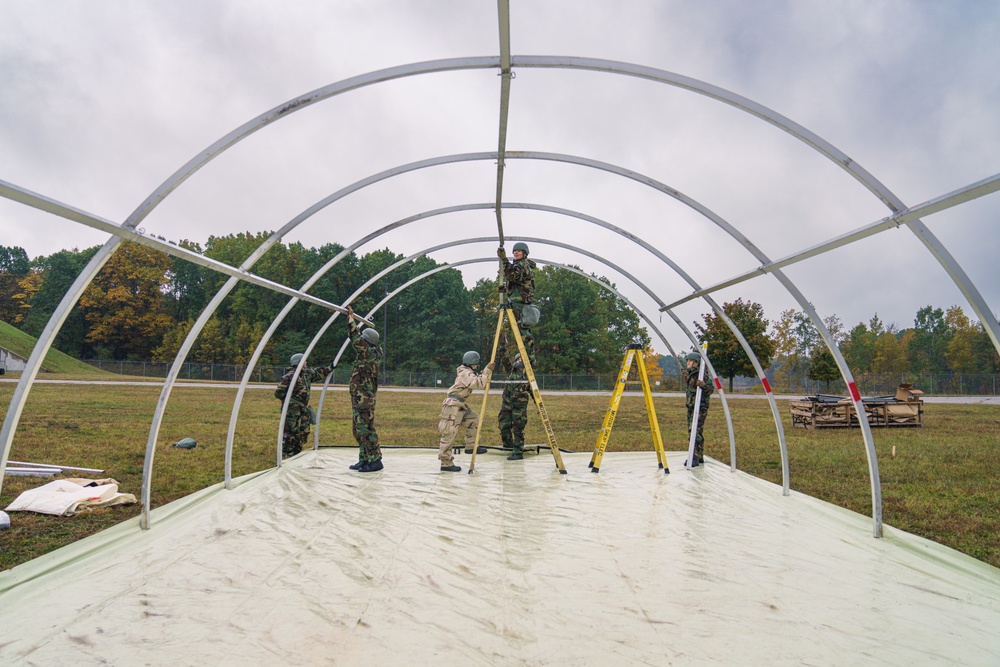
124,305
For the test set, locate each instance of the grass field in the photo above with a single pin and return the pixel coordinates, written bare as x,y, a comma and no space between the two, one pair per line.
940,484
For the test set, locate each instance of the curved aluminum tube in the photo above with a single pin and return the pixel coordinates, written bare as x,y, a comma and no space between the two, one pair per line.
86,276
533,240
696,344
611,169
936,248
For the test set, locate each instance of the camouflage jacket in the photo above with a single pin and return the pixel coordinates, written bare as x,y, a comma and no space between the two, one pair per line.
519,275
691,385
364,377
300,394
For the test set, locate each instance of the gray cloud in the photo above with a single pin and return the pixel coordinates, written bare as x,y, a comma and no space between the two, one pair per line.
100,103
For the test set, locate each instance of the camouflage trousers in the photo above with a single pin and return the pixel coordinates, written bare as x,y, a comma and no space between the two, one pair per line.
699,439
363,426
456,418
512,419
296,430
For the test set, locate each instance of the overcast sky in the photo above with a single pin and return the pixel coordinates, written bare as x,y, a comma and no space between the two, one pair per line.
101,102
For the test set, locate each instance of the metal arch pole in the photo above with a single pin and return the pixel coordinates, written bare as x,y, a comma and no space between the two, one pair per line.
648,320
718,385
721,95
259,350
960,196
85,277
503,20
874,480
652,325
845,162
481,260
42,346
420,216
42,203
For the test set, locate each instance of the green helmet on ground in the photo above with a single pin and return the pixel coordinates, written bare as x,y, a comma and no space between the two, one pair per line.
523,247
371,336
470,358
296,358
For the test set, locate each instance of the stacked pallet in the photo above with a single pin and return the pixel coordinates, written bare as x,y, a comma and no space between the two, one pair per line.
826,411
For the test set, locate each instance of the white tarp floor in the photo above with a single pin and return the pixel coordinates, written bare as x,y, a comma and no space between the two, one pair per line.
314,564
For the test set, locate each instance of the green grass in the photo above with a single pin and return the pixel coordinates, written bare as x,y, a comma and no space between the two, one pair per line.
938,485
55,361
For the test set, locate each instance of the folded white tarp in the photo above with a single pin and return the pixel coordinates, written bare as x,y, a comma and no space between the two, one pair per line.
65,497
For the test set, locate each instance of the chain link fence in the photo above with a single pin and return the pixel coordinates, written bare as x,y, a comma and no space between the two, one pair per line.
869,384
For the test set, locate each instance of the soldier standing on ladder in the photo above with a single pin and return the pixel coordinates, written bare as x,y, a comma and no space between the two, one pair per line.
691,385
513,417
520,279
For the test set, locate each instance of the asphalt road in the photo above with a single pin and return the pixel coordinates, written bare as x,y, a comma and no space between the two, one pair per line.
966,400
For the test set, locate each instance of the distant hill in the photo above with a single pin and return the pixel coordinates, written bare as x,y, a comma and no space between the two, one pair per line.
21,344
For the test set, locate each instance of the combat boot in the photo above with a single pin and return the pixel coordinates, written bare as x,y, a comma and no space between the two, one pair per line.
371,466
357,466
451,468
479,450
516,456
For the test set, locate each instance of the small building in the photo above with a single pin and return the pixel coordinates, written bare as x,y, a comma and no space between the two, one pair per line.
10,362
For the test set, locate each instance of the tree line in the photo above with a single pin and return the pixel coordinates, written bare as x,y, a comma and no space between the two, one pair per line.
143,303
941,341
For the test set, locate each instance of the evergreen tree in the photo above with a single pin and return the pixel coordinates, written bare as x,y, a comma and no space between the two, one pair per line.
822,366
57,272
14,267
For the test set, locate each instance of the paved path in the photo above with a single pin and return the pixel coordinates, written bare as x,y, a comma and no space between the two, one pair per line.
966,400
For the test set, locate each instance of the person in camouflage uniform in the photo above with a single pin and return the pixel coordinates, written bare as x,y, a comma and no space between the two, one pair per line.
363,386
691,384
456,415
520,279
513,415
299,416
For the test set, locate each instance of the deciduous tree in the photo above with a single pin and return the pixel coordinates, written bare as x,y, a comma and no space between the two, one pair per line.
124,305
727,355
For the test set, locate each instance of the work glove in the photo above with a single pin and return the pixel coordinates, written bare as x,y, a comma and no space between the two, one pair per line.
501,253
490,366
701,383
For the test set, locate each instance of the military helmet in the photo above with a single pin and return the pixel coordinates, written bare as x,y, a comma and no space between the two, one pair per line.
370,335
693,356
296,358
518,364
523,247
470,358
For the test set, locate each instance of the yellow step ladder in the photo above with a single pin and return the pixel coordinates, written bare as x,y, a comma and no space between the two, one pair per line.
507,313
634,351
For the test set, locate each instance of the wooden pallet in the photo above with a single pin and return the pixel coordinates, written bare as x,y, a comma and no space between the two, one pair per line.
824,411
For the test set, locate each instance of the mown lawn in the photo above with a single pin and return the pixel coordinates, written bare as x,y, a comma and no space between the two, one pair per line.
940,484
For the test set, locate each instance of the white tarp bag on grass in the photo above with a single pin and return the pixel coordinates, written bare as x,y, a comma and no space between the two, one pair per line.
65,497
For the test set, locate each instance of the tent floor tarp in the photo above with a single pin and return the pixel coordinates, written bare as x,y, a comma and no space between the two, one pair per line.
313,564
